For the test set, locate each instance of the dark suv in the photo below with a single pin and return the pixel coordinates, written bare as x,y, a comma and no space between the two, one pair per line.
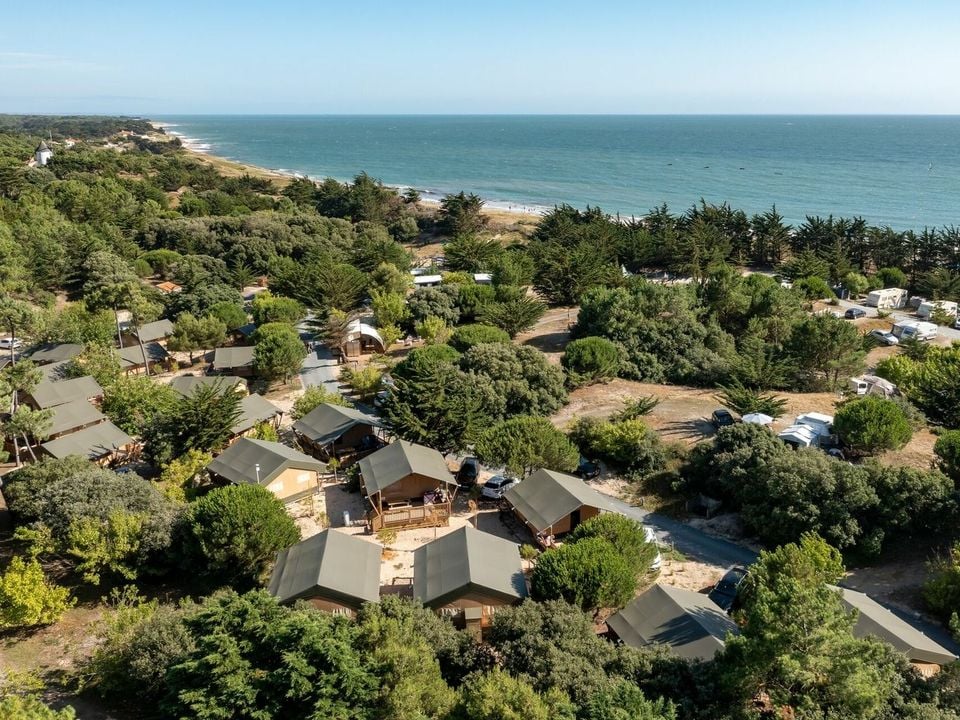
724,593
722,417
854,313
587,469
468,473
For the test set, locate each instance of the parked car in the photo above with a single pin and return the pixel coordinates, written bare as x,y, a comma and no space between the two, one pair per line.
725,592
722,417
497,486
468,473
884,337
652,538
8,342
587,469
854,313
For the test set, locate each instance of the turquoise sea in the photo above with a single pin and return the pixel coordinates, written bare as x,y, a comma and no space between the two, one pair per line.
900,171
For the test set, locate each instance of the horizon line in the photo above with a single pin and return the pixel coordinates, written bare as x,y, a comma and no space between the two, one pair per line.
147,116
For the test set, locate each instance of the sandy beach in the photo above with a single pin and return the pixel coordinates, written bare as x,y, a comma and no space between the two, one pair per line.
502,215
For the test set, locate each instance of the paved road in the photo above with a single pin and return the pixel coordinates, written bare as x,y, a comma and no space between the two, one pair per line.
689,540
895,315
320,366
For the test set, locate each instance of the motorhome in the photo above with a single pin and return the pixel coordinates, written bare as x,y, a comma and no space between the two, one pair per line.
928,307
914,329
887,298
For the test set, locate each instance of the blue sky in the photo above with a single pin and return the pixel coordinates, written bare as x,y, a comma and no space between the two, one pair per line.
368,56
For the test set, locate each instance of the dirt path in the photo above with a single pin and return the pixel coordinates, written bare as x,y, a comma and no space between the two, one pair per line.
683,413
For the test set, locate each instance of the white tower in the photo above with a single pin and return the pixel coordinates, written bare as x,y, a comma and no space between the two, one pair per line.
43,153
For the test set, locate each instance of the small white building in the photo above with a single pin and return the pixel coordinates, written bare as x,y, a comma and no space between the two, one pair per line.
482,278
928,307
887,298
42,154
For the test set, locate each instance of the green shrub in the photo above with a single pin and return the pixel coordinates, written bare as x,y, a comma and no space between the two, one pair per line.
15,707
233,533
872,424
746,400
525,443
630,444
947,450
942,590
590,574
814,288
314,396
591,359
627,536
28,598
466,336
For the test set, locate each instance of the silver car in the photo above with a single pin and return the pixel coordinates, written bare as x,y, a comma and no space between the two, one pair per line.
884,337
497,486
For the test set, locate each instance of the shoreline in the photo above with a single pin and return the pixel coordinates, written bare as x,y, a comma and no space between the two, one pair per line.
203,151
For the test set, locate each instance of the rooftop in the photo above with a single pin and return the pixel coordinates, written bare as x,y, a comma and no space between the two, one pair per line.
55,352
93,442
132,357
874,620
72,415
238,463
467,560
547,496
330,564
187,385
232,357
49,393
254,409
396,461
326,422
690,624
156,330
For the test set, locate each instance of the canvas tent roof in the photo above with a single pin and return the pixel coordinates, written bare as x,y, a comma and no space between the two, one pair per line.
56,352
92,442
547,496
357,329
48,393
156,330
187,385
247,330
72,415
874,620
254,409
331,564
54,371
690,624
326,422
238,462
232,357
131,357
465,560
396,461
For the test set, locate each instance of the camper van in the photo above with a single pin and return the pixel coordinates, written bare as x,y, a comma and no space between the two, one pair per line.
928,307
887,299
906,329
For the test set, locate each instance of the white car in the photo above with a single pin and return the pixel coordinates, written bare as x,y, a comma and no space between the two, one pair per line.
497,486
884,337
652,538
8,343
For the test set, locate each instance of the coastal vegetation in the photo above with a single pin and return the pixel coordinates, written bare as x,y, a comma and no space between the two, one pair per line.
190,632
